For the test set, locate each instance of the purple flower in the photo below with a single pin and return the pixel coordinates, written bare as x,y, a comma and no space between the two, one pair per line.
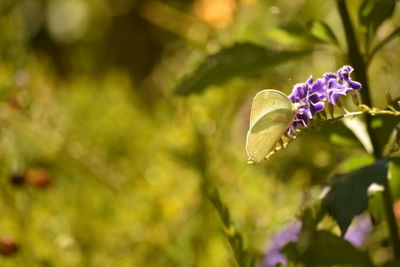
344,76
356,235
278,241
341,84
309,97
359,230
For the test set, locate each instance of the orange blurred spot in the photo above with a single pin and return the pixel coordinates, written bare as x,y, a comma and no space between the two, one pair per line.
248,2
217,13
38,177
396,208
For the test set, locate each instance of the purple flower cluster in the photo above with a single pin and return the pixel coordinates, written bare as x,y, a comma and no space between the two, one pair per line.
356,235
309,97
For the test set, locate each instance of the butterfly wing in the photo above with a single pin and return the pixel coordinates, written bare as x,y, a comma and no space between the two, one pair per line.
271,114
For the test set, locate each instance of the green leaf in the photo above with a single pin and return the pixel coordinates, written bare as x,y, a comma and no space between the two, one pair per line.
222,210
357,162
383,126
300,34
337,133
372,12
375,203
242,59
348,196
326,249
296,34
322,31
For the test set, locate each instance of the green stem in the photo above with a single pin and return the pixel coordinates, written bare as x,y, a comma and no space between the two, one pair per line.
356,59
360,70
372,112
354,54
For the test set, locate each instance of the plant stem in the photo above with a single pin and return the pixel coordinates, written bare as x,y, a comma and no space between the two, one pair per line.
356,59
360,70
354,53
370,112
391,219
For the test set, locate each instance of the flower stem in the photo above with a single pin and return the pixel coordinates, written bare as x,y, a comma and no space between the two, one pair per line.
354,54
360,70
372,112
356,59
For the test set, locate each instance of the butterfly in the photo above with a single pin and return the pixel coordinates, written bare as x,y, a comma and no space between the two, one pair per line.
271,114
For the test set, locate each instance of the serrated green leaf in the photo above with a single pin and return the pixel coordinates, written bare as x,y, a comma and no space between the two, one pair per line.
373,13
348,196
242,59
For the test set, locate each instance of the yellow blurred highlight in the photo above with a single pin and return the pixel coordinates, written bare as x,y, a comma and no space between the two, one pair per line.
67,20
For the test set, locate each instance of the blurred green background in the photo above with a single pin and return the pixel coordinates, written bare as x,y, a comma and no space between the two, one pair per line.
101,164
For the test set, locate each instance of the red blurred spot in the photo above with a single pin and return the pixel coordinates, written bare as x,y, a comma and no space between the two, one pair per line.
8,246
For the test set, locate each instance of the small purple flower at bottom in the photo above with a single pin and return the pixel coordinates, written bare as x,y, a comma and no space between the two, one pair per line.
356,235
359,230
274,255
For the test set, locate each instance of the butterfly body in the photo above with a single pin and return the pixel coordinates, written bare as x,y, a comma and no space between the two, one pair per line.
271,114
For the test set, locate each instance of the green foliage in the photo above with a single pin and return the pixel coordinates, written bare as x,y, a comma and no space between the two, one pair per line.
243,257
322,31
373,13
241,59
322,249
383,127
395,178
101,165
337,133
348,194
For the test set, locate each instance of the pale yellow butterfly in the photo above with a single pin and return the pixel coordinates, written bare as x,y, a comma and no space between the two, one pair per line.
272,113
